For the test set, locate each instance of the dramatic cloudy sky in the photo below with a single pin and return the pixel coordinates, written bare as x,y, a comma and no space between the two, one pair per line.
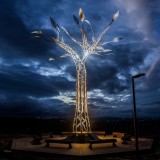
31,85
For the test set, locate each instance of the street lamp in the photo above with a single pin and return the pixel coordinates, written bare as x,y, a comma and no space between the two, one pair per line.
134,110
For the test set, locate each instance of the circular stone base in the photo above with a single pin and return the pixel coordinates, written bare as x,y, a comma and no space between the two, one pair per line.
82,137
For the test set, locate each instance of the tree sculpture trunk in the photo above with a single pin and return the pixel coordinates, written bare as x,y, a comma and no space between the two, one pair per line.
81,120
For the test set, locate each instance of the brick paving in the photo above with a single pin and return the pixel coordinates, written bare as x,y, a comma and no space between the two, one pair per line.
24,144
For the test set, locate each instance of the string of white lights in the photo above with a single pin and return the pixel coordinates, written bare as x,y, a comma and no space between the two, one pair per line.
81,121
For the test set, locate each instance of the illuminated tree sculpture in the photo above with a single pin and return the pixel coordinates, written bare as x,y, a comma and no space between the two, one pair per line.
81,121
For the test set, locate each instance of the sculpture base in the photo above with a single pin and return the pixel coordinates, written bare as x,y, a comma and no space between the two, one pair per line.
81,137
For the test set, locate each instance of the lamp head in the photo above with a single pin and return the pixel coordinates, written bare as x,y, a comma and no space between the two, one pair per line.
138,75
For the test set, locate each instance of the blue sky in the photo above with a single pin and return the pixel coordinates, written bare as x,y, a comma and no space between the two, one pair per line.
33,86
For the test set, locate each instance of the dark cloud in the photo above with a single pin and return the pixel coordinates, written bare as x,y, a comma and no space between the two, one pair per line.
30,83
16,37
19,80
25,107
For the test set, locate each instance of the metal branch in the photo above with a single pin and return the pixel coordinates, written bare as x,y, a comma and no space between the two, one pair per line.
73,54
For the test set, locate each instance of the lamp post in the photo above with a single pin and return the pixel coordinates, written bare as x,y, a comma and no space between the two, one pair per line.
134,110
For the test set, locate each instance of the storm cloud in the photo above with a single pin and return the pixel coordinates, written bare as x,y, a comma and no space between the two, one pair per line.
31,85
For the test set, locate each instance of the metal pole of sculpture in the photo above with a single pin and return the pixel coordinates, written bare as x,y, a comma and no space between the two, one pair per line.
81,121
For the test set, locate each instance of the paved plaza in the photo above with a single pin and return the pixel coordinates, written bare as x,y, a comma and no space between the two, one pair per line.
80,149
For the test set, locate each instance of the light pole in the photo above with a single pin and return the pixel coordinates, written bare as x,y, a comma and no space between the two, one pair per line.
134,110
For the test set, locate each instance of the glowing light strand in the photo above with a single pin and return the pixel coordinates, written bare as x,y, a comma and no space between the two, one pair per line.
81,121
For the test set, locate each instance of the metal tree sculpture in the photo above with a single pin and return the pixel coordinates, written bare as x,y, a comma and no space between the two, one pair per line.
81,121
